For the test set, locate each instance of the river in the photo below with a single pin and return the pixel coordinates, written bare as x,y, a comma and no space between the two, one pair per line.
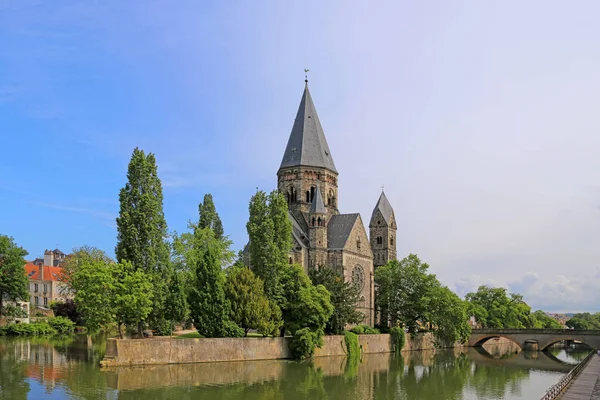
67,368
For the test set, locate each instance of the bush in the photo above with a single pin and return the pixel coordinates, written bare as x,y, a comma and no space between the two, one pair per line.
62,325
304,342
352,346
398,338
364,330
68,309
231,329
34,329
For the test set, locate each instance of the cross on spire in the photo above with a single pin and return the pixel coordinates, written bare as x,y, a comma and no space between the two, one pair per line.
306,71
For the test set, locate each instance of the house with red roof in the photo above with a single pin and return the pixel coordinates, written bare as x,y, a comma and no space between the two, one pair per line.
44,280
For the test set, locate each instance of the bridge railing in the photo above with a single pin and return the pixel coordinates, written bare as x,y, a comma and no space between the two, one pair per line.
508,331
556,390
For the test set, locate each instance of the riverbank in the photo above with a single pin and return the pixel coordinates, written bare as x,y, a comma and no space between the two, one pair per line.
166,350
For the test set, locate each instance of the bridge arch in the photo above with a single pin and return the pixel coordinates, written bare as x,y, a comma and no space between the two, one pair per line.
545,344
480,340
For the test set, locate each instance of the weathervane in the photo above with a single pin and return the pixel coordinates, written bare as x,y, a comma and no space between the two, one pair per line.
306,71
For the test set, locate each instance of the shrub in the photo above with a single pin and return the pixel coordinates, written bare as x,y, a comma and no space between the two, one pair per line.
352,346
34,329
67,308
62,325
398,338
231,329
304,342
364,330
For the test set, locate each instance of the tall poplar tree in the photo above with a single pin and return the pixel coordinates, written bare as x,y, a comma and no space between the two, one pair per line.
142,229
13,282
269,230
209,218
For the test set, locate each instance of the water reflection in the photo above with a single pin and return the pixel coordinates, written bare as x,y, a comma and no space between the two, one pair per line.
68,368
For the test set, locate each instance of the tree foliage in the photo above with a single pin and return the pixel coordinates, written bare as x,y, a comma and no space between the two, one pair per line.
584,321
67,309
209,307
495,308
409,296
209,218
541,320
131,294
270,232
345,297
142,228
250,308
13,281
79,256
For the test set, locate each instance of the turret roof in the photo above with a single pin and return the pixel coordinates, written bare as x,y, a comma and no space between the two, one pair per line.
307,145
384,206
318,206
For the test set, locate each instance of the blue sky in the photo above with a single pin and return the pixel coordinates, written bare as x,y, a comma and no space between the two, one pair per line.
480,118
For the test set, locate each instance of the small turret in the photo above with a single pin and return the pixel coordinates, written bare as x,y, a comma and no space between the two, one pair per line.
318,231
383,232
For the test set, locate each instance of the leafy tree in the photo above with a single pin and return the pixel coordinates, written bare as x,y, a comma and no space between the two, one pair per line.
13,281
250,308
208,305
269,230
92,283
541,320
345,297
410,296
131,297
209,218
142,229
78,256
305,306
176,305
495,308
67,309
584,321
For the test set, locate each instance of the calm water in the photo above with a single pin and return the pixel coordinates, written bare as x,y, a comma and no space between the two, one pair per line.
68,369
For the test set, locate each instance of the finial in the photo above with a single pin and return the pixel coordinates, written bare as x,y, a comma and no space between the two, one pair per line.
306,71
381,188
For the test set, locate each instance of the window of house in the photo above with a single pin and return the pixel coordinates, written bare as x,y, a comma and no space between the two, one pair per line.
45,301
37,300
35,288
379,240
392,240
358,244
45,288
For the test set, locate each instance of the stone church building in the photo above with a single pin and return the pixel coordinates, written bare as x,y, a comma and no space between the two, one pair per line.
321,235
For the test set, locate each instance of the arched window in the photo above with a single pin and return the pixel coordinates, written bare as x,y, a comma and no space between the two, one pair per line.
313,221
392,240
319,221
358,244
307,196
379,240
312,193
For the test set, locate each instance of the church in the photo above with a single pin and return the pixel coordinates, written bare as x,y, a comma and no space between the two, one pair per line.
321,235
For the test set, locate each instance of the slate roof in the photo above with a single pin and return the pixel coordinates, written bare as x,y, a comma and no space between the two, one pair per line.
318,206
385,207
307,145
297,232
339,230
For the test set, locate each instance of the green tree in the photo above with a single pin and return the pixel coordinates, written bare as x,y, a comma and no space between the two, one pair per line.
269,230
305,307
176,305
13,281
584,321
142,229
250,308
495,308
208,305
93,285
79,256
447,315
209,218
541,320
345,297
131,296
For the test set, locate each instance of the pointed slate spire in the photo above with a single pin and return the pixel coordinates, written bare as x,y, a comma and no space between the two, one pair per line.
307,145
383,206
318,206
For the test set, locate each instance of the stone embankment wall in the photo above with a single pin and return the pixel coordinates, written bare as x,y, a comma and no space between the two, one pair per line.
180,351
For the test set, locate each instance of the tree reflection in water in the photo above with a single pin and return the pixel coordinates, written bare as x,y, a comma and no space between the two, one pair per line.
68,368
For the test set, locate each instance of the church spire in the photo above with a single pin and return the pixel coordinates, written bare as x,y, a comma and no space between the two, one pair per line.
307,145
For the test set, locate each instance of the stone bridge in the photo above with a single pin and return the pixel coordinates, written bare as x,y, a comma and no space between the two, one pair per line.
535,339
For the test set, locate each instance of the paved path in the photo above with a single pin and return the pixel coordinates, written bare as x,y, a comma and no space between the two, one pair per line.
587,384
